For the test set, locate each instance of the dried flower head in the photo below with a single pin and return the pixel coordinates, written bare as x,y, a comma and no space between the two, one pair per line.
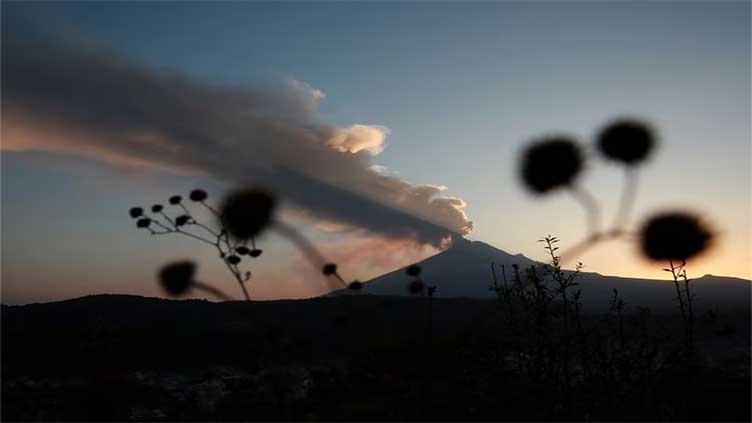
674,236
255,252
233,259
413,270
355,285
626,141
182,220
198,195
175,199
416,287
136,212
247,212
329,269
144,222
176,278
242,250
551,163
156,208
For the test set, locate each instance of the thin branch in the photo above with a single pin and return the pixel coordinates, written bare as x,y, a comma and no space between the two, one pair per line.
339,278
212,209
235,272
167,217
201,225
202,239
182,206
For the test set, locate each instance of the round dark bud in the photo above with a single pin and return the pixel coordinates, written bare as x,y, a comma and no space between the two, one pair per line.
674,236
144,222
182,220
242,250
136,212
416,287
329,269
156,208
626,141
413,270
355,285
198,195
255,252
551,163
247,212
175,199
233,259
176,278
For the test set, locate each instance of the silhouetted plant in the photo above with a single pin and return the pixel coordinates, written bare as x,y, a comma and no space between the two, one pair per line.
676,236
416,287
178,278
185,223
250,211
626,141
575,363
673,237
247,212
413,270
557,162
136,212
244,214
551,163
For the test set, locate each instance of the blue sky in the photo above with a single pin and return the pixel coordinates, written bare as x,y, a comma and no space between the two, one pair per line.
461,88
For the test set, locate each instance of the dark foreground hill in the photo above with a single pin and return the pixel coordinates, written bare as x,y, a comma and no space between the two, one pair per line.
115,357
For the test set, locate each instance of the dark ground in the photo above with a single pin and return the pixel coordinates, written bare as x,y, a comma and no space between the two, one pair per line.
113,357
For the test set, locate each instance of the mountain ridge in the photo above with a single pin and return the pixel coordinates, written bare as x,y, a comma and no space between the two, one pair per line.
464,270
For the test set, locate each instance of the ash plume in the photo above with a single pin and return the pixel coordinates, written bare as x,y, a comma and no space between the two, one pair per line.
66,98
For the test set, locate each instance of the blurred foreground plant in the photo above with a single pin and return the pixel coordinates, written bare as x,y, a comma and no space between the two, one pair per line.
556,163
243,215
182,222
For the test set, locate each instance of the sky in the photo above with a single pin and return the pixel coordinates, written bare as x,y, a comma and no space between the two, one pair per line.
423,108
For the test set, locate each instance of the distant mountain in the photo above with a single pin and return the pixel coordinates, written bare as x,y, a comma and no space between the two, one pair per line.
464,270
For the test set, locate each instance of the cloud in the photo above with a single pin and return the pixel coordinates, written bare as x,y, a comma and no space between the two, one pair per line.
359,138
66,98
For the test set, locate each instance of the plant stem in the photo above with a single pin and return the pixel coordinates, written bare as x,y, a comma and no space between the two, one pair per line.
680,297
628,194
592,210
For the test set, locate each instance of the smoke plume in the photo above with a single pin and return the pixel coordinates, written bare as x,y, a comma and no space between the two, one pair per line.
65,98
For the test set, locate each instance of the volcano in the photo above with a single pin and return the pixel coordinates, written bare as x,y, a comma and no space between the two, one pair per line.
464,270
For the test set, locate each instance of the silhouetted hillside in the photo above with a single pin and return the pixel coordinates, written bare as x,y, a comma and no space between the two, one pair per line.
360,357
